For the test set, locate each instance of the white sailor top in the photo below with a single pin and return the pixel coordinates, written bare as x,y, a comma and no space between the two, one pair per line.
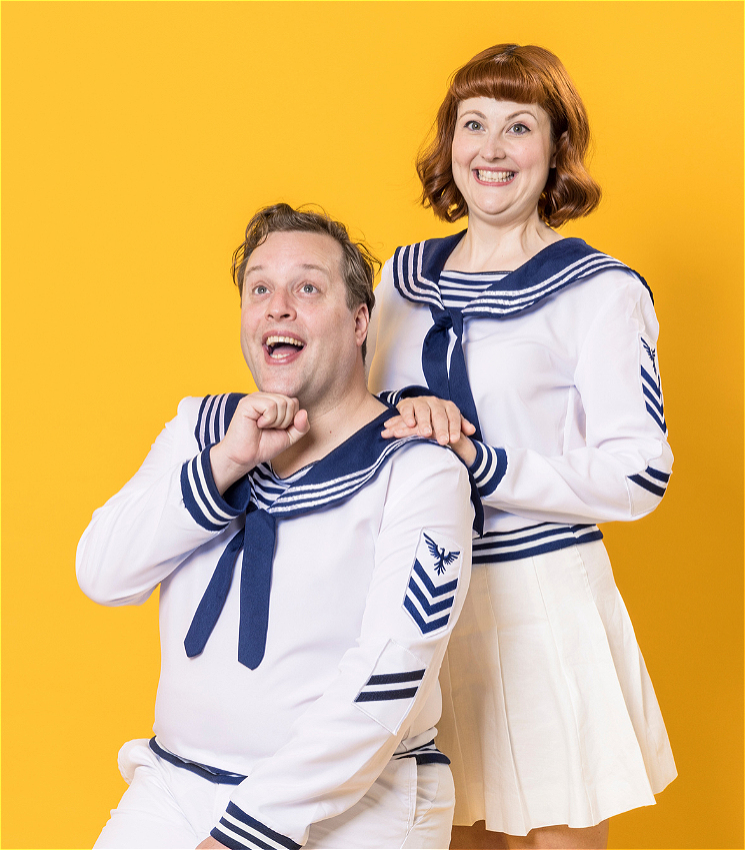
369,557
556,363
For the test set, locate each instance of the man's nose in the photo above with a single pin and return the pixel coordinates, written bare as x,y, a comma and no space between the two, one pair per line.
280,306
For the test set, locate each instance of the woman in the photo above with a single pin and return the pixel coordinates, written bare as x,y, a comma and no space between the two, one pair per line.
547,348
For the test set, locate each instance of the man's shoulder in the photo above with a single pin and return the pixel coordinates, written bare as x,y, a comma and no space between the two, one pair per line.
209,416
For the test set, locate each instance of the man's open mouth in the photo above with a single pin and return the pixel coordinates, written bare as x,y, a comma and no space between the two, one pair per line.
280,347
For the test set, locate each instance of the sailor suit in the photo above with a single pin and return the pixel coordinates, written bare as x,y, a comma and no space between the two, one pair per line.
555,719
289,691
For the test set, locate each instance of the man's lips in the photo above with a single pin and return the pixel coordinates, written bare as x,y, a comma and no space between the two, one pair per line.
282,347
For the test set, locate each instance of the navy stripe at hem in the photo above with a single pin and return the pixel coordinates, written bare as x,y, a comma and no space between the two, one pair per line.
483,554
211,774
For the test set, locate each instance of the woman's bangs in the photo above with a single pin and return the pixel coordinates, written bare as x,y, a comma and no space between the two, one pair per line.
501,80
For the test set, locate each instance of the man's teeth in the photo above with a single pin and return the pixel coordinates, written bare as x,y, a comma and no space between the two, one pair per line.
273,341
496,176
288,340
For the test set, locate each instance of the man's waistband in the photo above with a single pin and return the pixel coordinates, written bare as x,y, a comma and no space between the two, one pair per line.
424,754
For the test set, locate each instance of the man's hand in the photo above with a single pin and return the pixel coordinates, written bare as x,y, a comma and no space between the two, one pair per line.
211,842
263,426
429,416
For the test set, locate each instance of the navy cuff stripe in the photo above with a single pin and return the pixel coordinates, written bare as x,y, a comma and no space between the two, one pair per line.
201,497
231,842
246,819
489,467
655,473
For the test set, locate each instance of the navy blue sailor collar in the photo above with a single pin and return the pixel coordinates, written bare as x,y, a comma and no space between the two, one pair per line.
329,481
417,269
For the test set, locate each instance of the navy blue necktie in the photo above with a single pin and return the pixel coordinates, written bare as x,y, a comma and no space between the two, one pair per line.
454,384
257,539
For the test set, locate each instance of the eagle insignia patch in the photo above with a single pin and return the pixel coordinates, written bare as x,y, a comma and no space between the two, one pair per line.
433,582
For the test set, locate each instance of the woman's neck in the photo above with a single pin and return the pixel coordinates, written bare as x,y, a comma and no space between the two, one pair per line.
490,246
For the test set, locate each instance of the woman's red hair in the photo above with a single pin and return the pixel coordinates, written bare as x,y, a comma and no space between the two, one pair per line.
526,74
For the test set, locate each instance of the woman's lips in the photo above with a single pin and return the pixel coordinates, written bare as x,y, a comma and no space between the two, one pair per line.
491,177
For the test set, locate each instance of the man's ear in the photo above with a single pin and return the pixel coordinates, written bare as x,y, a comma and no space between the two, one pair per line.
361,323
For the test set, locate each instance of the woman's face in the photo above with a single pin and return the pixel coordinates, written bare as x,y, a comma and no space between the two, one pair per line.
502,152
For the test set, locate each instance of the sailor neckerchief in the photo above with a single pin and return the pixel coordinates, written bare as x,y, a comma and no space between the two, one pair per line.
264,499
417,275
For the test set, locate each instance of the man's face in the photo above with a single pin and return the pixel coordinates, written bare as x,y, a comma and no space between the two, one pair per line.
298,336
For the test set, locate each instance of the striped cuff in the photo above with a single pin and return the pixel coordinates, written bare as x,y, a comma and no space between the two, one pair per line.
488,469
201,497
238,830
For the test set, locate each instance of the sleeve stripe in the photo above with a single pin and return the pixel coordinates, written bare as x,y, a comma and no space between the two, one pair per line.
648,485
230,842
660,422
269,838
655,473
200,497
651,383
489,467
654,400
207,485
395,678
199,494
380,696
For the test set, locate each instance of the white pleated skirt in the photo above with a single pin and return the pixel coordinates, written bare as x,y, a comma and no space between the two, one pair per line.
549,715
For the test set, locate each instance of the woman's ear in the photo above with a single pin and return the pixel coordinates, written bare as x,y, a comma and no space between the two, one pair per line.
559,143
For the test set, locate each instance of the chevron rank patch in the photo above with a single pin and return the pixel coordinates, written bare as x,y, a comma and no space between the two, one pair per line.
433,581
392,687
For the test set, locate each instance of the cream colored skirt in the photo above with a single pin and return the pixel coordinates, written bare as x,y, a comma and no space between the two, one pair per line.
549,715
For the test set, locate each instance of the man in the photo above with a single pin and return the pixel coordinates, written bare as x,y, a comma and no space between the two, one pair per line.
297,701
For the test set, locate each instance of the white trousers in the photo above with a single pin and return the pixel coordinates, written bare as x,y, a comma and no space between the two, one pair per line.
166,806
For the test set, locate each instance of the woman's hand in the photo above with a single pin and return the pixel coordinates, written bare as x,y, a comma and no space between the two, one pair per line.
429,416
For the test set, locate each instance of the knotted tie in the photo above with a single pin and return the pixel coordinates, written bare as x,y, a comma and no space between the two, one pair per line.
257,538
452,384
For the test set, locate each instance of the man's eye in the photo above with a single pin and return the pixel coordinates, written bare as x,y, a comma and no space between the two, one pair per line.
260,289
308,288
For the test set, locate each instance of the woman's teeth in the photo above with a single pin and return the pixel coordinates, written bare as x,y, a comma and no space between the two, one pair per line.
495,176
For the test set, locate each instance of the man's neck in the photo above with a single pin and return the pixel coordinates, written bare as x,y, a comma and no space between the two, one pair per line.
330,426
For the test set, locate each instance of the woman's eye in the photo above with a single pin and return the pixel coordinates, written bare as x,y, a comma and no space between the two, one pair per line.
519,129
472,125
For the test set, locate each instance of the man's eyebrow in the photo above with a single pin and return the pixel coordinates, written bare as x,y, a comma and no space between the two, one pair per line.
322,269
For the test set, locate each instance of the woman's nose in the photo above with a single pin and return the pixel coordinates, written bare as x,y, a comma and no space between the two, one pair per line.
493,147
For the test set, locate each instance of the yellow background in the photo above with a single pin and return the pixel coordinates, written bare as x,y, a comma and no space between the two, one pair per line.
138,138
